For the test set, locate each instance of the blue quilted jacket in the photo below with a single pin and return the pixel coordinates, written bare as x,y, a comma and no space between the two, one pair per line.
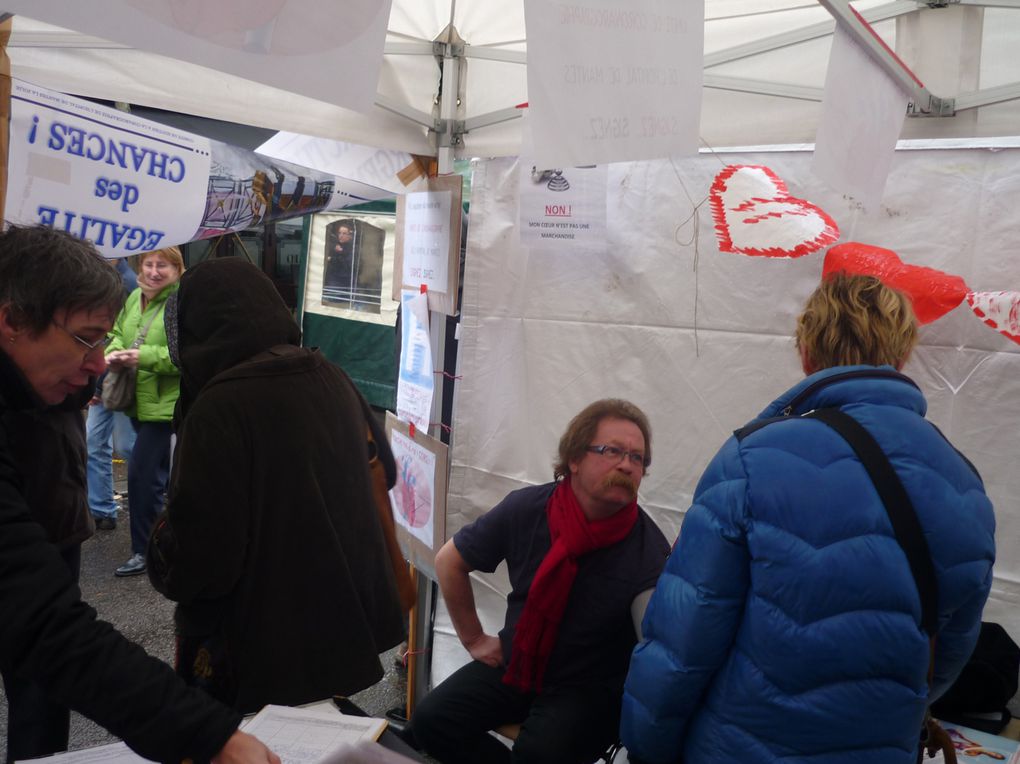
786,626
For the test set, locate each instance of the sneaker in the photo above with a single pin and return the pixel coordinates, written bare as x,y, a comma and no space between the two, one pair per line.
106,523
133,567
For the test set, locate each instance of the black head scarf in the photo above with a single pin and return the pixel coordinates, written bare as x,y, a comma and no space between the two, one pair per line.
226,311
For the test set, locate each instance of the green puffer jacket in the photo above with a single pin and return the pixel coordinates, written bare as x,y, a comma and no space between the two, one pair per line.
159,381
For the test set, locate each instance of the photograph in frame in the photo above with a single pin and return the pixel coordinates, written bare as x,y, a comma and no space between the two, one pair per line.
350,267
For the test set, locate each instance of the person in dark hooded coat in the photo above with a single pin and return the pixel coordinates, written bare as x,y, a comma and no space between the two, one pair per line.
270,543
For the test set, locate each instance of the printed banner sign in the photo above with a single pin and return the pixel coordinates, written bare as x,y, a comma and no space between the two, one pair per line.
102,174
131,185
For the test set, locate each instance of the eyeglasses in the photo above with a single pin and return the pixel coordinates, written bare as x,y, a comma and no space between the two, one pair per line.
101,343
616,454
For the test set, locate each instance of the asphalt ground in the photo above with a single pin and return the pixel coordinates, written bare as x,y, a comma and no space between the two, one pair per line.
143,615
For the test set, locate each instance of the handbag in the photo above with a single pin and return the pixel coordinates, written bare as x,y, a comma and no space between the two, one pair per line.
119,383
406,589
119,388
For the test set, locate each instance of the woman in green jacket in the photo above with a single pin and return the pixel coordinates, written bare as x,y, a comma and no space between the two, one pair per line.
157,387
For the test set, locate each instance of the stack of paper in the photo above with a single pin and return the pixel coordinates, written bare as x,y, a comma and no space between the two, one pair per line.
311,735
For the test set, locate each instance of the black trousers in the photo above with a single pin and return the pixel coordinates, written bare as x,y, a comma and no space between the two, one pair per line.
559,726
148,469
35,725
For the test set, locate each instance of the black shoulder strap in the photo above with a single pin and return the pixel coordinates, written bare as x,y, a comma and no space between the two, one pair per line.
897,504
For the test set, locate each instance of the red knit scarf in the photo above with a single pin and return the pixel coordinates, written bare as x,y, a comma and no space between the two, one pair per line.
572,535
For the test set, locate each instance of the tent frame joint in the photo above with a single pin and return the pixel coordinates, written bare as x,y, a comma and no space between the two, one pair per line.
936,107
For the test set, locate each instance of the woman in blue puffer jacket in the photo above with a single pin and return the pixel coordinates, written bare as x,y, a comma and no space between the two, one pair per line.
787,624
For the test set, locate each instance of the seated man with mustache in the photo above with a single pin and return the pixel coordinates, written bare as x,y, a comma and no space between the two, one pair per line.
579,552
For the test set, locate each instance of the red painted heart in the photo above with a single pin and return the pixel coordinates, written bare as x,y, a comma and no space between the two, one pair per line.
1000,310
933,293
755,215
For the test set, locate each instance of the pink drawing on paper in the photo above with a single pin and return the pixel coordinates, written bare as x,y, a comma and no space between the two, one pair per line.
755,215
414,501
414,494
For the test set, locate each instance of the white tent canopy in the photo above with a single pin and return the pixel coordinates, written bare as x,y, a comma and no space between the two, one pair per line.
765,64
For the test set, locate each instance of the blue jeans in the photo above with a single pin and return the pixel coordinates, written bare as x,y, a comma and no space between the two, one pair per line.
106,432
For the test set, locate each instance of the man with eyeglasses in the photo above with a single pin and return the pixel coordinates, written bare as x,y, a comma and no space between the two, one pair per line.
580,553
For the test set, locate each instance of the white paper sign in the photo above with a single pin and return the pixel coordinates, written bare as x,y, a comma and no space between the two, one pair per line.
862,115
103,174
613,80
415,491
299,47
427,239
562,207
415,382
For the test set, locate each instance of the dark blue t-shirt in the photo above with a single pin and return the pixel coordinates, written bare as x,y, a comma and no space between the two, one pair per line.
596,636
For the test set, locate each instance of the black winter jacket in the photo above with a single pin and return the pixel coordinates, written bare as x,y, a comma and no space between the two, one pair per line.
48,635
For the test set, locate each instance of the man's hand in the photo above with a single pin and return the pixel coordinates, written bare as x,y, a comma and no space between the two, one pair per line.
242,748
487,649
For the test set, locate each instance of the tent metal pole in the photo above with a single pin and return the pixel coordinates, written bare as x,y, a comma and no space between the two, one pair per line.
804,34
862,33
448,103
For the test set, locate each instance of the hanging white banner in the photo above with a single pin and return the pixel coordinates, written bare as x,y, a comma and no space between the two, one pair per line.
613,80
862,116
323,49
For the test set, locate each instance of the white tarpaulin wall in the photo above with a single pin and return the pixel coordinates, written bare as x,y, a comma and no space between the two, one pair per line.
702,340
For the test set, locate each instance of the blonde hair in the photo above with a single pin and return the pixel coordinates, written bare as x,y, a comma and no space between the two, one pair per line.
853,319
575,441
171,254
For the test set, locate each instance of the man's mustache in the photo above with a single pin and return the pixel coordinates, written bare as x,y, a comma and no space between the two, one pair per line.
621,481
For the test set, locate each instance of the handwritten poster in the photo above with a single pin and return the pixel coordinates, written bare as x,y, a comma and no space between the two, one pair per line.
427,239
562,207
613,80
427,251
415,384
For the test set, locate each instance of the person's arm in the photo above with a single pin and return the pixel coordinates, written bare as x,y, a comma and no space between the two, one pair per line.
692,618
54,639
957,638
455,582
